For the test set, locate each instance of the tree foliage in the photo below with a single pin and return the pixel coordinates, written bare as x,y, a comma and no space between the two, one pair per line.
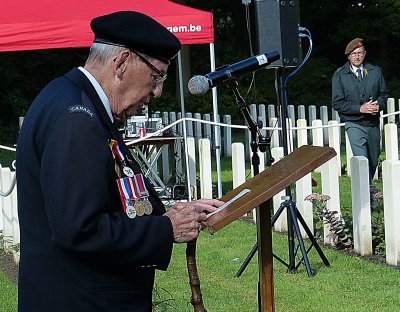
332,25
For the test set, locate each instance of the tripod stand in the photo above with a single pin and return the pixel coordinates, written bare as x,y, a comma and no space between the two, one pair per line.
293,232
292,212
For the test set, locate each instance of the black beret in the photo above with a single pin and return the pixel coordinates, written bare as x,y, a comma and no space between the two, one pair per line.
138,32
353,44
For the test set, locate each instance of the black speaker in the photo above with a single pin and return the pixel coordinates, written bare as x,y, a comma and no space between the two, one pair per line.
277,25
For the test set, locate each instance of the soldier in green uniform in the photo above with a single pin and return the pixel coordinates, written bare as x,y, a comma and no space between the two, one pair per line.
359,93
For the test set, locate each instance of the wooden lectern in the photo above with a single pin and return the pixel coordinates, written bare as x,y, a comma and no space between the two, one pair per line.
255,193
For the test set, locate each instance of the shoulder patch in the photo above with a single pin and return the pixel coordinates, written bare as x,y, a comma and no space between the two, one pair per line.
80,109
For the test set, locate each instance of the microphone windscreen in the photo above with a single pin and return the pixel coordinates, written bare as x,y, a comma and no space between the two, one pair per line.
198,85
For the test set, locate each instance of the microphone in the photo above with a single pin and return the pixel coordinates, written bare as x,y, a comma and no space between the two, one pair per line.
201,84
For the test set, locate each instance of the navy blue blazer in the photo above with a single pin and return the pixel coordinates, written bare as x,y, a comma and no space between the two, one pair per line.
79,250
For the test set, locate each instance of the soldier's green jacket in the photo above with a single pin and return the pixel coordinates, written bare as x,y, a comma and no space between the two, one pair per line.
348,93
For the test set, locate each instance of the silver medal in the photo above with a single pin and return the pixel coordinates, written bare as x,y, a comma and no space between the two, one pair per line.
128,172
131,212
148,206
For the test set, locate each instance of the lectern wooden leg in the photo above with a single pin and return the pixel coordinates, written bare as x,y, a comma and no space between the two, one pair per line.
265,258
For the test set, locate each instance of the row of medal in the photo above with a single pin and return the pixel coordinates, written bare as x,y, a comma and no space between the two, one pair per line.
134,196
132,188
138,208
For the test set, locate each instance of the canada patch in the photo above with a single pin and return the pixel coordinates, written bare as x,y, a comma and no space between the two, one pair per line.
80,109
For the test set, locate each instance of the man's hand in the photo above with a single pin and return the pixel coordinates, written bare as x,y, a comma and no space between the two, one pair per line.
371,107
187,217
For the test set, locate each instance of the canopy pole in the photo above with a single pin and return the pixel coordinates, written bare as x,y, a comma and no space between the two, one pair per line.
182,96
217,129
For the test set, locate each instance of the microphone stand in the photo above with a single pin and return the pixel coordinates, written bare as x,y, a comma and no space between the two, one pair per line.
263,212
293,215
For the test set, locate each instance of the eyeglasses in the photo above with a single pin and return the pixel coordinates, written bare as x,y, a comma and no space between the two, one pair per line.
160,76
354,54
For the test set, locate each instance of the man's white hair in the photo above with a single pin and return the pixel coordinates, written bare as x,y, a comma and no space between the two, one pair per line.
100,53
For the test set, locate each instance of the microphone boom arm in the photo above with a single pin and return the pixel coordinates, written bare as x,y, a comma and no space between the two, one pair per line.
257,140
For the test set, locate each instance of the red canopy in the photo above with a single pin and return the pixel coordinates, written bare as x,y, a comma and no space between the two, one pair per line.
47,24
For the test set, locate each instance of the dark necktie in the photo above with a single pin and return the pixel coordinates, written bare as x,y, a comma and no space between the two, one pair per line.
359,75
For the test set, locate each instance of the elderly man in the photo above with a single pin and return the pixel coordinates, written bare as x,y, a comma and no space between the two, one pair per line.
359,93
93,229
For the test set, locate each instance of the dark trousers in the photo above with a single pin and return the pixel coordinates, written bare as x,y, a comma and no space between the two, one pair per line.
365,141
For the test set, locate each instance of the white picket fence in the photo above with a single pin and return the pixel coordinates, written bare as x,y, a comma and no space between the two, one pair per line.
9,223
200,149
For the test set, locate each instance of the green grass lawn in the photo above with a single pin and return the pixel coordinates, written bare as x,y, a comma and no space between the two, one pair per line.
349,284
8,294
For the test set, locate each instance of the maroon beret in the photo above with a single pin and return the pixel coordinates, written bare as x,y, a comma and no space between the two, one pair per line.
353,44
138,32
